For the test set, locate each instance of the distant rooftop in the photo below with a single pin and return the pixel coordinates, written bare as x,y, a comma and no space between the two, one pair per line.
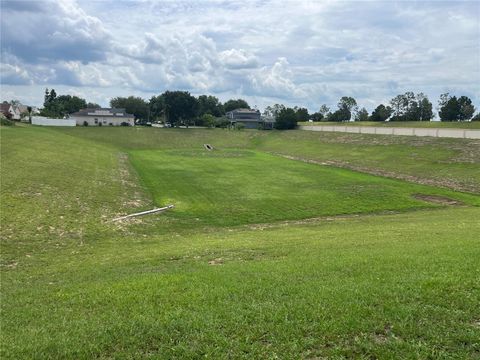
114,112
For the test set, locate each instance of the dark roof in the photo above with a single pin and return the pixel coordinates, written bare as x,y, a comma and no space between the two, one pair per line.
249,111
4,107
113,112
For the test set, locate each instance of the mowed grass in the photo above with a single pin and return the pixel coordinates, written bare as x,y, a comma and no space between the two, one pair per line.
403,286
452,163
233,187
76,285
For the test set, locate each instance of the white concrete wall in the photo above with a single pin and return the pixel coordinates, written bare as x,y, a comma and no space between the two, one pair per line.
44,121
435,132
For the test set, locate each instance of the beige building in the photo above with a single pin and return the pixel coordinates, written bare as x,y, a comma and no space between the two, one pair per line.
103,117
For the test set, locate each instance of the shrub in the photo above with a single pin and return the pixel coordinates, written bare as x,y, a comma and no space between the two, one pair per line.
85,123
286,119
239,126
124,124
222,122
6,122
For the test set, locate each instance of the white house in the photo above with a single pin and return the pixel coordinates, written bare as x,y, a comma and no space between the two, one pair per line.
10,111
103,117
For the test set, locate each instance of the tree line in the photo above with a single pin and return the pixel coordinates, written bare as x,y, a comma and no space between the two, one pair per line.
182,108
61,106
403,107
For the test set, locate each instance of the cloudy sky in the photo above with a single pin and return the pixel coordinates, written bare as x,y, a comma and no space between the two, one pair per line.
303,53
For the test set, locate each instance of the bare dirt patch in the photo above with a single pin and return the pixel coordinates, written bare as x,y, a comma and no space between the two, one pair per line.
218,261
436,199
446,183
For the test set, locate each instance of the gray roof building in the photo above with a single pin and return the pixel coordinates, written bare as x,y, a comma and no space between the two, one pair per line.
103,117
250,118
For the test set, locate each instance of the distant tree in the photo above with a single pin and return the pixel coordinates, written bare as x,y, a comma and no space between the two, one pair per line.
179,107
29,111
235,104
398,107
411,107
91,105
157,108
452,108
208,104
476,117
49,96
340,115
381,113
346,106
286,119
362,115
425,108
70,104
324,110
207,120
316,116
466,108
59,106
347,103
302,114
222,122
132,105
274,110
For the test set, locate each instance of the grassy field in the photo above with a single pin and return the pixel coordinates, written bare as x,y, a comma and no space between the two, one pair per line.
406,157
375,274
232,187
419,124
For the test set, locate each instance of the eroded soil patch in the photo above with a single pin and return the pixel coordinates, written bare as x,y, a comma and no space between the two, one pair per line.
437,199
446,183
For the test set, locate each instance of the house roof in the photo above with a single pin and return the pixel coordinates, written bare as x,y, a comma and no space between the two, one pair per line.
242,110
5,107
113,112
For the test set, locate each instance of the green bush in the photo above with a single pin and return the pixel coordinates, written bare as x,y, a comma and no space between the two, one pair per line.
6,122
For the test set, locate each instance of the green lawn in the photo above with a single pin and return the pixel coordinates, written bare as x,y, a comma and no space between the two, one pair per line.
76,285
232,187
396,156
419,124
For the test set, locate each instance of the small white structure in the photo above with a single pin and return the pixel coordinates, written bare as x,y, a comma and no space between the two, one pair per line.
103,117
44,121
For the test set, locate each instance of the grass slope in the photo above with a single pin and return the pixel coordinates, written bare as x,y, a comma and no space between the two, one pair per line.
77,286
231,187
371,287
405,156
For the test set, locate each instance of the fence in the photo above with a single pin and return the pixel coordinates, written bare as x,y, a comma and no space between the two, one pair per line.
44,121
435,132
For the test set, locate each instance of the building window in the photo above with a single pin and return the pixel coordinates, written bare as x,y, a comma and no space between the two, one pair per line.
96,121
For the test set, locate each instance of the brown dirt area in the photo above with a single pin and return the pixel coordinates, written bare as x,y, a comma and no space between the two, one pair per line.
437,199
447,183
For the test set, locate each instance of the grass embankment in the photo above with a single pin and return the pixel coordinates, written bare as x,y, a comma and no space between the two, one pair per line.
416,124
231,187
77,286
408,157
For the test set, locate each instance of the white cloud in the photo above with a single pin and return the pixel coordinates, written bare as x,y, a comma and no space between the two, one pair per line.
276,81
297,52
238,59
